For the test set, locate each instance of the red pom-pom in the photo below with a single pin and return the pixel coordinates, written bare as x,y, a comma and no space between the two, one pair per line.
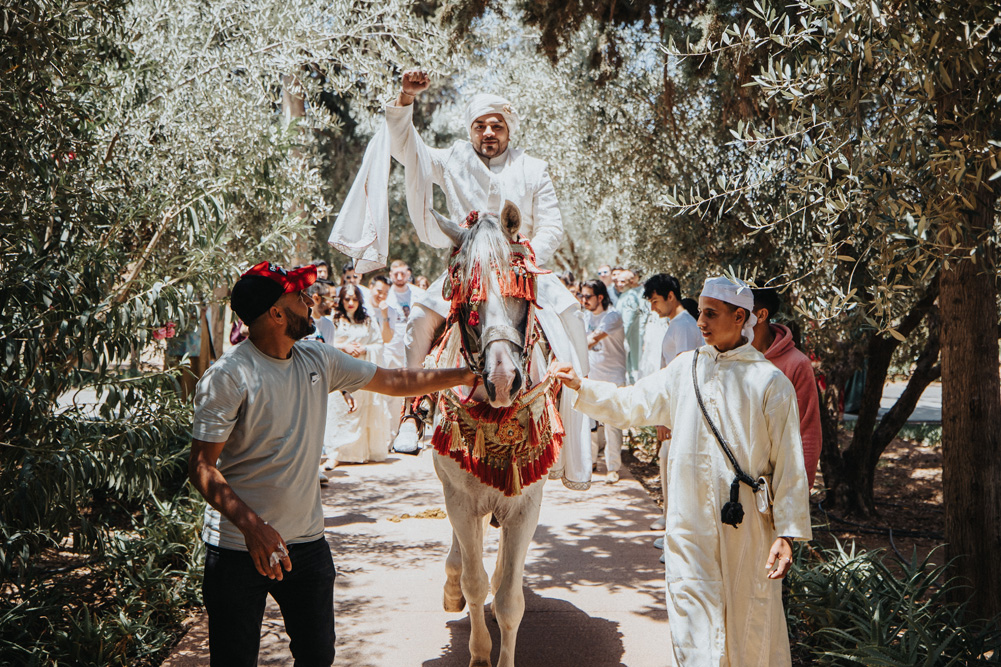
474,319
471,219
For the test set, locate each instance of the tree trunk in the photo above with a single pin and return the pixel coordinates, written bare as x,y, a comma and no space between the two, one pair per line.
852,490
854,493
971,415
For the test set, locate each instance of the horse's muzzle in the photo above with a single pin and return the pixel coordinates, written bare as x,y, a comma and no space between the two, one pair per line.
512,392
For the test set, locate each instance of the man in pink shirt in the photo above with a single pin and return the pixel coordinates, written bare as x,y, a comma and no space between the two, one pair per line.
776,343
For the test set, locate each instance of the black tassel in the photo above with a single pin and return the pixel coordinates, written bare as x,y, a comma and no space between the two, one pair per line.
733,513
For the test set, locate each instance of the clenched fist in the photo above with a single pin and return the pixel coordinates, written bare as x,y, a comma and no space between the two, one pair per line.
414,82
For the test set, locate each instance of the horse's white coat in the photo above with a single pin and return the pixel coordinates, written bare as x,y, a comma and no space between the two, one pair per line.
468,501
469,504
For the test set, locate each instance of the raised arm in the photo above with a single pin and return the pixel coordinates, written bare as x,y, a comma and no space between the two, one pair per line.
423,165
385,328
405,143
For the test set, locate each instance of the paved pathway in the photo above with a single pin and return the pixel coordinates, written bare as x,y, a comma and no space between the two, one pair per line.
594,587
928,408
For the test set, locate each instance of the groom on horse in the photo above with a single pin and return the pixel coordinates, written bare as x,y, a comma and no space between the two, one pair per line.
477,175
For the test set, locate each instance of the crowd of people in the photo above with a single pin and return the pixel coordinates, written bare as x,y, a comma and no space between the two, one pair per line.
734,402
635,330
366,321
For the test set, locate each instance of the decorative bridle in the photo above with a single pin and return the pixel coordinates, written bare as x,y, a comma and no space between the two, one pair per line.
506,448
517,280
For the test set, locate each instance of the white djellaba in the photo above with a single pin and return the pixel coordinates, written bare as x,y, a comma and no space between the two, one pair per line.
723,610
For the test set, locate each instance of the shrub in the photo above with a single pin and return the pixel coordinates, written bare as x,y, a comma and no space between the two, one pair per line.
848,607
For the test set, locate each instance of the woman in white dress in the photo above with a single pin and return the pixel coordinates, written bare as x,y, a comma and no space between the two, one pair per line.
361,435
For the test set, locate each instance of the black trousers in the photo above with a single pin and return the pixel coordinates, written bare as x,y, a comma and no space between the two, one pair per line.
235,594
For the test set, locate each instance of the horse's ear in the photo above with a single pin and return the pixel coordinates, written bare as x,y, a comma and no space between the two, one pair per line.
453,231
511,220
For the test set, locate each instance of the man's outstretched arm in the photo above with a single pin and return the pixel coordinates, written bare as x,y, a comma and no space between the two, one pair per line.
417,381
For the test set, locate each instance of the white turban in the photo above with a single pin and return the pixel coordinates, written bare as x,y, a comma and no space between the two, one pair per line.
735,293
483,104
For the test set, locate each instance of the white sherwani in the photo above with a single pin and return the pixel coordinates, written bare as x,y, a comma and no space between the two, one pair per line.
470,184
722,609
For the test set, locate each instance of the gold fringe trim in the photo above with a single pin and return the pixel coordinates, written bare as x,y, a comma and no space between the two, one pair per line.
515,485
456,445
479,445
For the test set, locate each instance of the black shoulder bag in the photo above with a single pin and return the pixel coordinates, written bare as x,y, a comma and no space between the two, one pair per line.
732,513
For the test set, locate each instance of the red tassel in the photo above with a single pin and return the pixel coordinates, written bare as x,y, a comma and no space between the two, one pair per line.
534,437
441,440
474,318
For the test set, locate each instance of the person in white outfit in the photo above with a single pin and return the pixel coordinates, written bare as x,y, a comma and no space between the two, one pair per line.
736,428
383,314
606,354
356,435
401,298
481,175
663,292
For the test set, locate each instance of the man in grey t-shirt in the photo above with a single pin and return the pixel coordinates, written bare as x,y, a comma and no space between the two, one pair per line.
260,411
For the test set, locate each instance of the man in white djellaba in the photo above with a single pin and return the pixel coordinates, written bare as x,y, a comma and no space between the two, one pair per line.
476,175
724,584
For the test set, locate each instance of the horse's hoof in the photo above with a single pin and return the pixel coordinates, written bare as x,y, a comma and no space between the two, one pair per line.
455,606
479,663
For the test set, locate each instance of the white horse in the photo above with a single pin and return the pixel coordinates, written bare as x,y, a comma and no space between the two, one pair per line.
493,321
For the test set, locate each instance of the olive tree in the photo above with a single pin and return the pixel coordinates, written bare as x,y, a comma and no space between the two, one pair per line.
146,162
846,152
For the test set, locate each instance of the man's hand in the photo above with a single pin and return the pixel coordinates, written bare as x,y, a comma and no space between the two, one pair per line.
663,433
350,400
356,350
414,82
780,556
268,550
565,373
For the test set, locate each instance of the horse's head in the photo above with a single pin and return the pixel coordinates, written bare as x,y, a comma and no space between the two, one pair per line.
492,286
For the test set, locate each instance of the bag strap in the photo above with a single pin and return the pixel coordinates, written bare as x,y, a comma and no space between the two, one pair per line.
741,475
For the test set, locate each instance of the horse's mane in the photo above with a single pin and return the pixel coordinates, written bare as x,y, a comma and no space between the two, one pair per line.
485,246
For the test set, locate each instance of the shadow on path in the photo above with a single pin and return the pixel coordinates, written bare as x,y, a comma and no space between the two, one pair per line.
553,632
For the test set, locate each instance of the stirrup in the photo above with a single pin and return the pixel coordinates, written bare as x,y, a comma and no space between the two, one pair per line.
418,423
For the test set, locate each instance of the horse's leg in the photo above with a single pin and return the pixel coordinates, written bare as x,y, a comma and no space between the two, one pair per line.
499,566
509,598
468,529
453,600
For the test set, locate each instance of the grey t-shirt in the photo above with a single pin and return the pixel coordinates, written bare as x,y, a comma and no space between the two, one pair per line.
271,414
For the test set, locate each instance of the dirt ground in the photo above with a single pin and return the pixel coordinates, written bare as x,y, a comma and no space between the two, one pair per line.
908,493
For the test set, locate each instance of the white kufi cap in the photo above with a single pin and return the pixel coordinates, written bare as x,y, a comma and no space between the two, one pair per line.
484,103
737,293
